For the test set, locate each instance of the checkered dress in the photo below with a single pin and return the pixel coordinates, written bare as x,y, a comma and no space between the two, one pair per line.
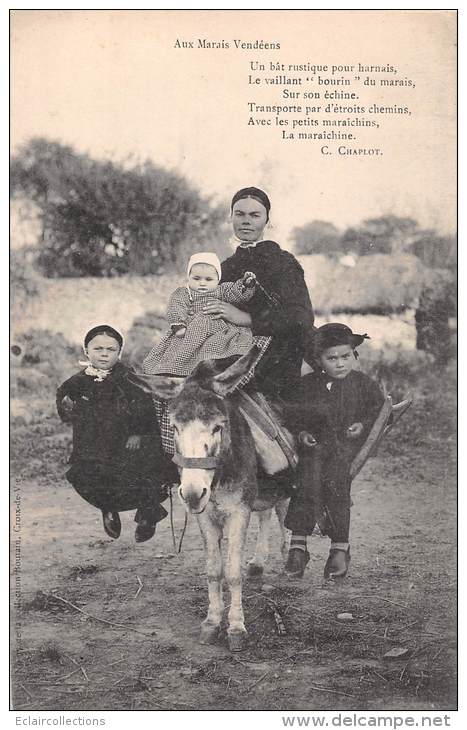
162,406
205,338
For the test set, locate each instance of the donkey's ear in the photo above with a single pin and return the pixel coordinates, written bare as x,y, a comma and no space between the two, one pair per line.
164,386
225,382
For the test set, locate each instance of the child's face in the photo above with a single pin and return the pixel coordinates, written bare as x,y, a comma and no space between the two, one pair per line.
103,351
203,277
338,361
249,218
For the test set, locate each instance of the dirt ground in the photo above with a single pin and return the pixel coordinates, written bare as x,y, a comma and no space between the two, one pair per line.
111,625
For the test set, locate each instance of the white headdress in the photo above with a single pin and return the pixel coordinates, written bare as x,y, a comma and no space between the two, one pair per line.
205,257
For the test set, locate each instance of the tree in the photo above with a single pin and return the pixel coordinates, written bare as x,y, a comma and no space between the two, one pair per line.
387,234
101,218
436,251
316,237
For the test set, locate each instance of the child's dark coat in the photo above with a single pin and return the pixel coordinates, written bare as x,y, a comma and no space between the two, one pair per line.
328,413
104,415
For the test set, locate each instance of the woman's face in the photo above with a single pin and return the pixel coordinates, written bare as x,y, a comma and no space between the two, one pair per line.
249,218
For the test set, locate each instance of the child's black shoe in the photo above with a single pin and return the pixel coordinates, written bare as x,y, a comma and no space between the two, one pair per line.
296,562
337,563
145,529
146,519
112,524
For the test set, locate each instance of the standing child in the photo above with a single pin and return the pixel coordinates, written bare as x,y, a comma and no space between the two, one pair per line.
339,405
117,461
194,335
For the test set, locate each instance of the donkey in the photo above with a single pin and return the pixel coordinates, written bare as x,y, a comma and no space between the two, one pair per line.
216,455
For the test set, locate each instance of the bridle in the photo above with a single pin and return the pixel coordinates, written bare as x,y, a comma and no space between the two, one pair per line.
195,462
189,462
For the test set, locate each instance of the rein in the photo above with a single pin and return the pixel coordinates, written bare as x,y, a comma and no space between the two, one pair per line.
179,549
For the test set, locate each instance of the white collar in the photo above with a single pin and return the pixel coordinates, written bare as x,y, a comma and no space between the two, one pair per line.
98,374
244,244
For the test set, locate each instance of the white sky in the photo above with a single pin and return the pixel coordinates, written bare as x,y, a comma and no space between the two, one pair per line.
111,83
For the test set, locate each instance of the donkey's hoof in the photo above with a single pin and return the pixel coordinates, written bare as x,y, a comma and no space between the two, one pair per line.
237,640
254,569
209,634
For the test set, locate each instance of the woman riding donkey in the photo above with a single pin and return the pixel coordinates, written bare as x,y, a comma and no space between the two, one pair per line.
281,307
261,297
260,290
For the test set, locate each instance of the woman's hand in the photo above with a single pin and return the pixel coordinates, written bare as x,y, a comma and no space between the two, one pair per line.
223,310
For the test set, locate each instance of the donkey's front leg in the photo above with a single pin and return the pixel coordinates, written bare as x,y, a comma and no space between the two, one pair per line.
236,527
212,534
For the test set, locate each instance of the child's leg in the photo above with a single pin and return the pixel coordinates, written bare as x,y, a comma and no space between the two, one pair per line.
337,501
149,512
304,509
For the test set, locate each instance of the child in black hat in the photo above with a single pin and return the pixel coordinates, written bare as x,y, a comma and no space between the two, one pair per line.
338,405
117,461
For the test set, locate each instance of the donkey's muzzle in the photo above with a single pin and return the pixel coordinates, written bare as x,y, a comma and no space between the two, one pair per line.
192,499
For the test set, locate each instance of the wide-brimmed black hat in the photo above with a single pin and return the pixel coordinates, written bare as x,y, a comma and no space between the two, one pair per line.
329,335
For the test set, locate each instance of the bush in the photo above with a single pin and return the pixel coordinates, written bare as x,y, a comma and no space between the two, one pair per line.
385,235
388,234
144,334
396,369
315,238
437,304
41,360
101,218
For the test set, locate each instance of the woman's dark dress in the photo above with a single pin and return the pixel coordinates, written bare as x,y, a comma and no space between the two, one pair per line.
323,477
288,323
104,472
278,372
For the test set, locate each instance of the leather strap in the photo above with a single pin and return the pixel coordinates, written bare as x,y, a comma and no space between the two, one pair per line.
194,462
263,415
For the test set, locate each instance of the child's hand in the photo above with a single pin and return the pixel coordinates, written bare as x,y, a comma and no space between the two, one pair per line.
354,431
306,439
180,332
133,443
67,405
249,280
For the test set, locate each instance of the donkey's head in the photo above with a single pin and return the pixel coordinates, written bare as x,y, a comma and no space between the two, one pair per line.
200,416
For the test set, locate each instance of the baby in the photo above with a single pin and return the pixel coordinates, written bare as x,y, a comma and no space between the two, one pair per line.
193,335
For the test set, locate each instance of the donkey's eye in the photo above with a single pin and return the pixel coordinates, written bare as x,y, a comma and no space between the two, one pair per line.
216,429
